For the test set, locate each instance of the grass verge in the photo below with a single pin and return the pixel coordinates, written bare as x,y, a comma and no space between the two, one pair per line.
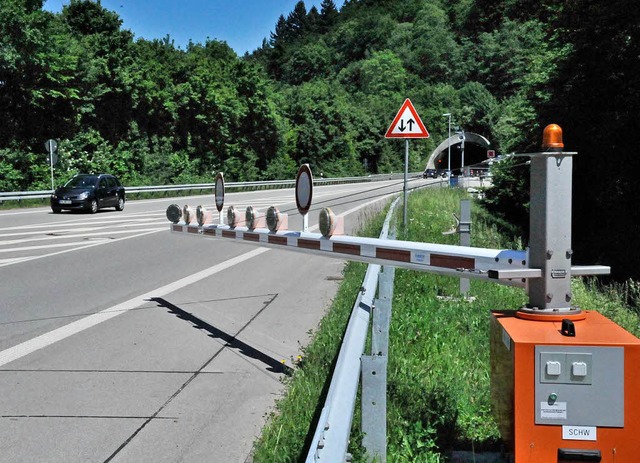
438,373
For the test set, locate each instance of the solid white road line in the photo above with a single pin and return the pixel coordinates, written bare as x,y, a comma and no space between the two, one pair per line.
42,341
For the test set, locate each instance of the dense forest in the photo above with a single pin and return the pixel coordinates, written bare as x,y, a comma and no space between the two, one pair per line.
323,88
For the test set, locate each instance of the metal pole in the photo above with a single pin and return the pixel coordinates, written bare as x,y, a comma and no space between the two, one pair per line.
51,165
462,166
374,373
465,238
550,241
406,177
449,150
50,149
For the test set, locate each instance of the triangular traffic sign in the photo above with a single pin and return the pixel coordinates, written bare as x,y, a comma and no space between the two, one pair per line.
407,123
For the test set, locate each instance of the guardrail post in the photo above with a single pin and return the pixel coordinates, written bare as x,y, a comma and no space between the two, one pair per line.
464,230
374,407
374,373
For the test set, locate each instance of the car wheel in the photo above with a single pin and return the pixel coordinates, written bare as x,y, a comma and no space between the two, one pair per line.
93,207
120,205
56,210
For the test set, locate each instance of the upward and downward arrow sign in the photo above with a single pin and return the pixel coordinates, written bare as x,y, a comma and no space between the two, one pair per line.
402,127
407,124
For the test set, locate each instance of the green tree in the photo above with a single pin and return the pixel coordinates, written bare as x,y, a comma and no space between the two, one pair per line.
257,131
428,47
103,80
358,37
155,71
34,70
319,114
383,75
328,16
307,62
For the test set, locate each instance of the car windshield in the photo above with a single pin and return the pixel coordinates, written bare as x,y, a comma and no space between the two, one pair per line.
82,181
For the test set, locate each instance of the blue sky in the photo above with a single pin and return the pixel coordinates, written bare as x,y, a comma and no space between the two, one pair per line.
241,23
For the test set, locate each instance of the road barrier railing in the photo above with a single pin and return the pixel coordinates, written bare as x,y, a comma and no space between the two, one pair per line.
232,186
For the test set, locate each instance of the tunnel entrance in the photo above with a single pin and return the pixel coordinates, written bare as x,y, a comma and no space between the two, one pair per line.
475,151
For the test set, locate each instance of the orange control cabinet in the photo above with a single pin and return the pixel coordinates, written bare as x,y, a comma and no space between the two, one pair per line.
566,395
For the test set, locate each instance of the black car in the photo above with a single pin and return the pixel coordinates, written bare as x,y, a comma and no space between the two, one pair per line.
434,173
429,173
89,192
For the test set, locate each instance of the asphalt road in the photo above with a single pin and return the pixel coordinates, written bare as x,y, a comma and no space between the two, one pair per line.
122,342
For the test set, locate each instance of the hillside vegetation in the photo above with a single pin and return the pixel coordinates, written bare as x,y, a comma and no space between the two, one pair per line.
323,88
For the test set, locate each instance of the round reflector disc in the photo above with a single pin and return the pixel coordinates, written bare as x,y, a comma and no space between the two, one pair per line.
304,189
219,191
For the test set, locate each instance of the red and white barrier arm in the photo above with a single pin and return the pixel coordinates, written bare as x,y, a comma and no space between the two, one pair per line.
502,266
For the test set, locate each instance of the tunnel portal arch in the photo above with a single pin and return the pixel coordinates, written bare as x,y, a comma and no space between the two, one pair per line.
475,151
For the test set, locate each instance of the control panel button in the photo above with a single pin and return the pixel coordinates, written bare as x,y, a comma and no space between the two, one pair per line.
579,369
554,368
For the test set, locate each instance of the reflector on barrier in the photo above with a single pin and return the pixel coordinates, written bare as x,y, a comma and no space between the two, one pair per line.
234,218
276,220
174,213
330,224
254,219
203,215
188,214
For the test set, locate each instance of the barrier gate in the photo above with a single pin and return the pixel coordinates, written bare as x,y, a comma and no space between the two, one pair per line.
565,382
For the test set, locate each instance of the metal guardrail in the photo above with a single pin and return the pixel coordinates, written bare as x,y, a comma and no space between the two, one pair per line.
268,184
331,437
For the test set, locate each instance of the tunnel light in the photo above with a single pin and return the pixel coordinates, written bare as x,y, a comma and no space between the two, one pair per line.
174,213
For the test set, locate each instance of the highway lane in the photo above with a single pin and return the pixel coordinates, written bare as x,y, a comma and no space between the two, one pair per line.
122,342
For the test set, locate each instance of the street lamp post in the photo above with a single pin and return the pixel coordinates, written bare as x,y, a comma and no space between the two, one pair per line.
462,161
462,138
449,147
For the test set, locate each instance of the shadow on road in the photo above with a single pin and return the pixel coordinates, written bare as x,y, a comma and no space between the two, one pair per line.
231,341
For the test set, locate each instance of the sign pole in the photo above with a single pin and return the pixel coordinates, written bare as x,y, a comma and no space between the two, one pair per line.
51,146
406,179
51,167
